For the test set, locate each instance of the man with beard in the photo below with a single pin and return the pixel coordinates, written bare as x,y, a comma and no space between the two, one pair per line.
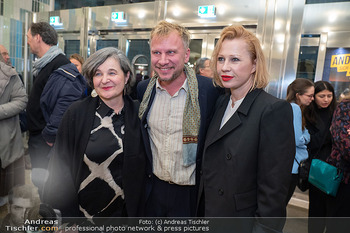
175,111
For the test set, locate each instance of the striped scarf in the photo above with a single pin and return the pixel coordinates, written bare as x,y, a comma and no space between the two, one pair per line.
191,116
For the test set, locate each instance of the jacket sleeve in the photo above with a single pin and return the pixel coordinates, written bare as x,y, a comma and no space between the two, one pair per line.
69,92
18,100
302,137
275,160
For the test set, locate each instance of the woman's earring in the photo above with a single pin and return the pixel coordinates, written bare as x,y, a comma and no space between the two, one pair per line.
94,93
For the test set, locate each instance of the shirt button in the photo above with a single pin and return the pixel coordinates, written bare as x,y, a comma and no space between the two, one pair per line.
228,156
221,192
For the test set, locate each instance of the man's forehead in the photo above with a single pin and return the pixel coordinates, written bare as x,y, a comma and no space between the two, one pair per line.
172,33
22,202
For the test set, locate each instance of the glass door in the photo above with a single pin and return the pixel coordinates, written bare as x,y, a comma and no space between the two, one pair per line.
138,52
308,55
69,43
109,39
202,45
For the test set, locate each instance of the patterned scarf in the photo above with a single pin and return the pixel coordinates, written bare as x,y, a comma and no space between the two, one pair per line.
191,116
40,63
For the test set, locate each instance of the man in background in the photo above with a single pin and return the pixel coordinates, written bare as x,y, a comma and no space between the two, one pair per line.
42,40
203,67
5,55
175,112
13,99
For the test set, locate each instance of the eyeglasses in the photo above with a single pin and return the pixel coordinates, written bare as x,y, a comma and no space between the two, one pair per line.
310,96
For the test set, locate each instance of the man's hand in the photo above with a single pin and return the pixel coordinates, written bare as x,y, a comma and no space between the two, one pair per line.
50,144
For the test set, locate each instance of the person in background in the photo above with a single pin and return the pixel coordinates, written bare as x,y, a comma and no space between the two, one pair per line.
203,67
78,61
13,100
5,55
344,93
250,147
175,111
21,199
318,116
339,206
22,115
133,93
300,94
98,165
42,40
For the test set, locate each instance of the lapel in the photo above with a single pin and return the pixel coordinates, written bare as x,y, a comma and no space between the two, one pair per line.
214,133
144,117
84,123
202,99
144,125
87,117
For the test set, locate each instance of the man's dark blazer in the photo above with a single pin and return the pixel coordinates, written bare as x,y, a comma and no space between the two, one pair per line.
247,164
207,96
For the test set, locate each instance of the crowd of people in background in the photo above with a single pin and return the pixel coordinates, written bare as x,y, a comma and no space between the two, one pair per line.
206,141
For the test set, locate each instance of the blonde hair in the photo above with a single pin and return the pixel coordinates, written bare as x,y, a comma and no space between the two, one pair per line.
254,48
164,28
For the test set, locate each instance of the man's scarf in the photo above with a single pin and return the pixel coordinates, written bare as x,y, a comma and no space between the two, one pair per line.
40,63
191,116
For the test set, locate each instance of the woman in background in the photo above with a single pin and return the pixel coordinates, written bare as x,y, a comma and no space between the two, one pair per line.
300,94
78,61
318,116
339,206
98,166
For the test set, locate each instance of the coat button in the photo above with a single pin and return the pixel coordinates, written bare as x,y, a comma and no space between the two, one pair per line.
149,176
221,192
228,156
200,172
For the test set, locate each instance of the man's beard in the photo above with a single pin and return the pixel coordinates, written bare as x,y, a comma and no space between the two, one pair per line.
173,77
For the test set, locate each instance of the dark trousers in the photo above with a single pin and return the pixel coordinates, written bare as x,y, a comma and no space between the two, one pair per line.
171,200
317,210
38,152
339,210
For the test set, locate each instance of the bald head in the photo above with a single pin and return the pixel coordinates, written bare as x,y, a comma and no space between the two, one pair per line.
5,55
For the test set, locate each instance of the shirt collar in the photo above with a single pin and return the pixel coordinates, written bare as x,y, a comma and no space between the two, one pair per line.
184,86
103,109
